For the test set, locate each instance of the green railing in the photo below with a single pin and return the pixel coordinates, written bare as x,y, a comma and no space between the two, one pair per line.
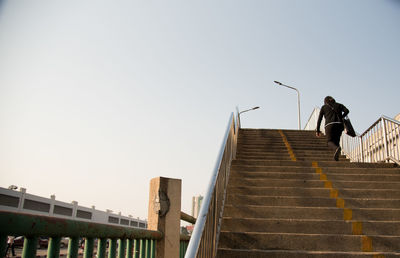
122,241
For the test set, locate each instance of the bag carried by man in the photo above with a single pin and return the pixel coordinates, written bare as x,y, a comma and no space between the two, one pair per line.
348,127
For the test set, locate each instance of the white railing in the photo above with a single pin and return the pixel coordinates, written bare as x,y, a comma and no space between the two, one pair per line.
379,143
204,240
312,121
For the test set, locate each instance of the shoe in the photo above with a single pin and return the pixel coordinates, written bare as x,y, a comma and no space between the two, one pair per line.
337,153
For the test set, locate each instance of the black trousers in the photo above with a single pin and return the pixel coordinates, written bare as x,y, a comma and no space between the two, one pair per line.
333,133
12,249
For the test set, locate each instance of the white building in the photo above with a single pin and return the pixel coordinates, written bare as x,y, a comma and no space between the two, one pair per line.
21,201
196,204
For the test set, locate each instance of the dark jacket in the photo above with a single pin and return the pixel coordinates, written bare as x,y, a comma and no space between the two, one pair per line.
332,113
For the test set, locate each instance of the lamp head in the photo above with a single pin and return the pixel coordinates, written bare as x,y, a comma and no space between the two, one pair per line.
278,82
255,108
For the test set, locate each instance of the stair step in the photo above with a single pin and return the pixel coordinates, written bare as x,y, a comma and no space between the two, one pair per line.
267,200
324,213
254,253
315,192
327,170
322,164
370,228
306,242
310,173
307,183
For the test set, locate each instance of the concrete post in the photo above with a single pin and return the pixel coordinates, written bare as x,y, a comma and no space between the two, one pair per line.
164,214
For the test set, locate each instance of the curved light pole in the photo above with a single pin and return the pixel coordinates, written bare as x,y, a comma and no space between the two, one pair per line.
254,108
298,98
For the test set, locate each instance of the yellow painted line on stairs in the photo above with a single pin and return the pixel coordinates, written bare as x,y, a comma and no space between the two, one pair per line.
357,226
289,148
366,244
340,203
334,193
347,214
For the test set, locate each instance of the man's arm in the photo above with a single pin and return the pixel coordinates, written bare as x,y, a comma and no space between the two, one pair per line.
321,114
345,111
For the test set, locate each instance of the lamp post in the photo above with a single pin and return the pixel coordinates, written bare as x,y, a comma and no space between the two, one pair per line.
254,108
298,98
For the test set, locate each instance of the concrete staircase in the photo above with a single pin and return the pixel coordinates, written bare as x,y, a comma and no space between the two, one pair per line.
287,197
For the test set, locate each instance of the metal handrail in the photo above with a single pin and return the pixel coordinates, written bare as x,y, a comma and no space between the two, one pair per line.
379,143
139,241
188,218
33,226
312,121
204,239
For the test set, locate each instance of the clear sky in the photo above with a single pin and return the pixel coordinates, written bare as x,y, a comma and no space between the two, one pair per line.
98,97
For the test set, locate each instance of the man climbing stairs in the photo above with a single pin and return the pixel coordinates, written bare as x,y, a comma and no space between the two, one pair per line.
287,197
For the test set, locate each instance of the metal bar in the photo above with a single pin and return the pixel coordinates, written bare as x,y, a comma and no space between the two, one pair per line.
12,223
392,149
53,251
201,220
101,247
121,248
147,248
112,248
30,247
152,248
188,218
89,244
385,138
396,146
129,248
362,149
136,248
73,247
375,144
368,148
142,252
3,244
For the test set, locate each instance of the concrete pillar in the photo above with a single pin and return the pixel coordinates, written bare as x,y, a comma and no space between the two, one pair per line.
164,214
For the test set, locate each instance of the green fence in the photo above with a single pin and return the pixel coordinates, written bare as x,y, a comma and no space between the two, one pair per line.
115,241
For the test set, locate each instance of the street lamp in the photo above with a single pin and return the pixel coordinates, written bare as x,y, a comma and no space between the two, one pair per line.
254,108
298,98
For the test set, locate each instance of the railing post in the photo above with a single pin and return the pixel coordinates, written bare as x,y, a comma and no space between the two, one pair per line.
112,249
136,248
164,214
385,138
30,247
73,247
53,250
121,248
129,249
3,245
89,243
101,247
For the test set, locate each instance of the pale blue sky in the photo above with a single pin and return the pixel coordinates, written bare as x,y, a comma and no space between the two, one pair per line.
98,97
